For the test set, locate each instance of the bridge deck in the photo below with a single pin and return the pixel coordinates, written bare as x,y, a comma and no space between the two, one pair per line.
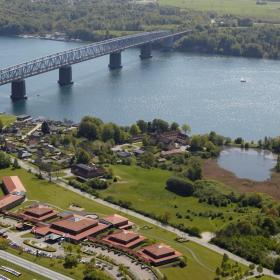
69,57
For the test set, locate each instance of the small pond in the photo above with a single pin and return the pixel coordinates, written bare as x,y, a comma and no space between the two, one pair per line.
248,163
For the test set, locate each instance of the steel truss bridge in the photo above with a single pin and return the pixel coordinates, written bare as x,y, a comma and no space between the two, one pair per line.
63,60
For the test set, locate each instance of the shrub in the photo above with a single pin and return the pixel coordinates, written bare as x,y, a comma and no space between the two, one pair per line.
180,186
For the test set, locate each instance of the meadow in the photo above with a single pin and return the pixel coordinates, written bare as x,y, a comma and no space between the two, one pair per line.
245,8
145,189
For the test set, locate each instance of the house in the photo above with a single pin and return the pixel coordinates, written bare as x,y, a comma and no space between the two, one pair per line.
138,152
123,154
117,221
87,171
72,227
125,239
10,201
158,254
22,154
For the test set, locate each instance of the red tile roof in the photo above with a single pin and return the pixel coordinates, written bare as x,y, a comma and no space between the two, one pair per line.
13,184
74,223
38,211
9,200
116,220
158,254
127,239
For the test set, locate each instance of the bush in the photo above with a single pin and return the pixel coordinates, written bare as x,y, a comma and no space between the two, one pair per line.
97,184
4,160
180,186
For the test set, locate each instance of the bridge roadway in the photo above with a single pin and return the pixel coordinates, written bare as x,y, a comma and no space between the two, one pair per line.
63,60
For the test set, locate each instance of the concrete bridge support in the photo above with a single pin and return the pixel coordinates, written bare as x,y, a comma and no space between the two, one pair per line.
146,51
18,90
168,43
65,76
115,60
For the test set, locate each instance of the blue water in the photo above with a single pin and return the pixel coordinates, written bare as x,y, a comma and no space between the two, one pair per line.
251,164
204,91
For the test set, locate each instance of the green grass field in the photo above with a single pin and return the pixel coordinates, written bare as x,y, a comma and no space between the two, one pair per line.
201,261
236,7
7,119
145,189
25,274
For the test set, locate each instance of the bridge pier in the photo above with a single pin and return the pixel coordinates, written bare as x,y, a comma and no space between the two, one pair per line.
146,51
115,60
18,90
65,76
168,43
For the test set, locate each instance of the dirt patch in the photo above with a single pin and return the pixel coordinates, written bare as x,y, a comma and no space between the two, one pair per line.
211,170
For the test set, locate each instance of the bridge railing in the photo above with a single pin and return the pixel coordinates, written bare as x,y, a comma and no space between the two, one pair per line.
76,55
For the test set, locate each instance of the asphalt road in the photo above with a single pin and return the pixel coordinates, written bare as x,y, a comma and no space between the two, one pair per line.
32,266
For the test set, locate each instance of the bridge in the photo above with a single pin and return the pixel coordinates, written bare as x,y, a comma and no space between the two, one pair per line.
17,74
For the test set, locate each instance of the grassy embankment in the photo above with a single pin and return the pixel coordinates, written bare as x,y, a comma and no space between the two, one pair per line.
25,274
201,261
7,119
245,8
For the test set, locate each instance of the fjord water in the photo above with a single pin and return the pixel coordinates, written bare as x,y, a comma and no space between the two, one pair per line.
251,164
204,91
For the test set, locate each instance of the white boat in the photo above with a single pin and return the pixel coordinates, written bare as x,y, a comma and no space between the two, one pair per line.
242,80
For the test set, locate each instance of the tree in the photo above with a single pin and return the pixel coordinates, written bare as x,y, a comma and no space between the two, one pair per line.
260,269
174,126
180,186
82,156
89,128
70,261
4,243
186,128
45,128
4,160
277,166
147,159
143,126
276,267
16,164
1,126
194,171
134,130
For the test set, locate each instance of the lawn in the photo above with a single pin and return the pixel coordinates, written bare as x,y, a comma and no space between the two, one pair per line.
201,261
25,274
237,7
7,119
145,189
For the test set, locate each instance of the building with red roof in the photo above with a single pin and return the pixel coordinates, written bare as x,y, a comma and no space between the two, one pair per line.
125,239
73,227
38,213
14,190
10,201
158,254
13,185
117,221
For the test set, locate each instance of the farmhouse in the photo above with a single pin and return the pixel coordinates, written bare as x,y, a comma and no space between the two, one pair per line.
158,254
125,239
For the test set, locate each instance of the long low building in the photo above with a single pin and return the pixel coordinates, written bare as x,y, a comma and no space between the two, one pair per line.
14,190
73,227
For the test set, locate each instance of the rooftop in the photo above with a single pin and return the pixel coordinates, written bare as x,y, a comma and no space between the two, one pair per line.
9,199
75,223
13,184
115,219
